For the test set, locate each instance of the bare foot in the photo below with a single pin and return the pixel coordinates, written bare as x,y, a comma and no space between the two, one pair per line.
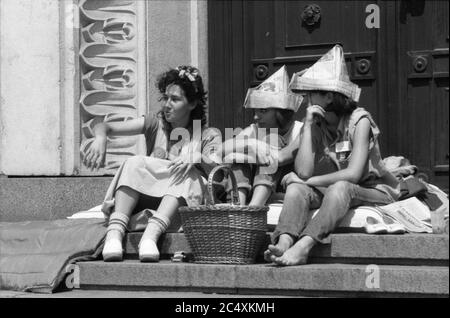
284,243
296,255
267,255
273,250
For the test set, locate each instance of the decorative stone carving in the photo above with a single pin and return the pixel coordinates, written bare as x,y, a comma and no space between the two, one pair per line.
311,15
108,62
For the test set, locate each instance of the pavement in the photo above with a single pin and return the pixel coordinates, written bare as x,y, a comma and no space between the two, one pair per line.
78,293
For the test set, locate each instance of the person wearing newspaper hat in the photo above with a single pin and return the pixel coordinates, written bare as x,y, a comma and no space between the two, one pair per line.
338,165
264,151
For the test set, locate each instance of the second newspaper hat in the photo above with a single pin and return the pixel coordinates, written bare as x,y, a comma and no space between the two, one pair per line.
274,92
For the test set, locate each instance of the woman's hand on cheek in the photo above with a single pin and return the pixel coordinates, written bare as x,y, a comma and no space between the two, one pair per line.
314,112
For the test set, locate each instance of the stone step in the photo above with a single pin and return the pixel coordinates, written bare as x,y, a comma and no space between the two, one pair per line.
49,198
308,280
355,248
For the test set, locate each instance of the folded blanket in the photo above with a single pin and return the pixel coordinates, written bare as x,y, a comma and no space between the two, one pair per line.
35,255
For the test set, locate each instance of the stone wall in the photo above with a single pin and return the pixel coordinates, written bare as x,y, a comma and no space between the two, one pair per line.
51,58
68,64
31,113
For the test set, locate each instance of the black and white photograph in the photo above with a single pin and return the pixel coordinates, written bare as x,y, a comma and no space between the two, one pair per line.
224,156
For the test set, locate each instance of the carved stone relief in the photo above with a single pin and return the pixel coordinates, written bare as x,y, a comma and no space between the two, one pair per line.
108,63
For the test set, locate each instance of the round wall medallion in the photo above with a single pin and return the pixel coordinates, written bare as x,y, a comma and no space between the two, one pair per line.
261,72
363,66
311,14
420,64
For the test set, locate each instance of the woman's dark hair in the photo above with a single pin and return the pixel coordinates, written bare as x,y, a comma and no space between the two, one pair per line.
284,117
188,78
341,105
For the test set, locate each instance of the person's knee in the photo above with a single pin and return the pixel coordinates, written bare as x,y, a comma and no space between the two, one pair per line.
339,188
240,167
297,190
264,180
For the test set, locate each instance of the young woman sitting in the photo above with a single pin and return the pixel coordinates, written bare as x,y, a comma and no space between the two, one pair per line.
171,175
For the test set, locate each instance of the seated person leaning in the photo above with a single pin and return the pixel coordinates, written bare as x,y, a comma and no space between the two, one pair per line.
264,151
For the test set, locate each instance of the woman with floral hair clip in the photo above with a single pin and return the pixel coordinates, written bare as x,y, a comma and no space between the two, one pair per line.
338,164
173,172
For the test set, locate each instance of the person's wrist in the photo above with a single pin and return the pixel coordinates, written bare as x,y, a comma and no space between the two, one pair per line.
100,137
308,122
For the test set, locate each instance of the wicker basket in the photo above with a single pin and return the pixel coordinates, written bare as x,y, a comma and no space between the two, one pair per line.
224,233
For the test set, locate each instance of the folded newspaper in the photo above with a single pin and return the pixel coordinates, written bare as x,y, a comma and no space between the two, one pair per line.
412,213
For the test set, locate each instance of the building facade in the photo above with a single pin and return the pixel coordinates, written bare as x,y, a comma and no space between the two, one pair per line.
66,65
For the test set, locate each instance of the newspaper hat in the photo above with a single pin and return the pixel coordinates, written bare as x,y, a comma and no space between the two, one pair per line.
274,92
327,74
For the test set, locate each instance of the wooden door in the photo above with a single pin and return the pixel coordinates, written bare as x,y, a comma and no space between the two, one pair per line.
249,40
421,130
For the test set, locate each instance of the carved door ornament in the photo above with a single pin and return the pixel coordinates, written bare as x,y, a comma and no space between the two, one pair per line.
420,64
261,72
363,66
311,16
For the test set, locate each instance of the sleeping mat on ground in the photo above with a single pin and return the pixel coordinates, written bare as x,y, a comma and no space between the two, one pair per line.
35,255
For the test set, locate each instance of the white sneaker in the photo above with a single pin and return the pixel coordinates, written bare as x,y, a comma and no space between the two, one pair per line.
374,226
113,250
393,226
148,251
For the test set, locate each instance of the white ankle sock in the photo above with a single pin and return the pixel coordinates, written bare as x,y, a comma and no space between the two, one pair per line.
113,250
156,226
148,250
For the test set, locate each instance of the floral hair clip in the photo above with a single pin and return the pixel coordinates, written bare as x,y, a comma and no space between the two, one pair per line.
189,72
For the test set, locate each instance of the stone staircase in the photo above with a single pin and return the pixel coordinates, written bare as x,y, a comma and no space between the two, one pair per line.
353,265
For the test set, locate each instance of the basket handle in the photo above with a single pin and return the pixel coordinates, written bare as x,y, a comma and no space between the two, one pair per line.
234,192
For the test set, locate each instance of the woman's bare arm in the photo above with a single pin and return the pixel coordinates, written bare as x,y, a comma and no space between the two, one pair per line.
95,156
358,160
304,161
124,128
287,154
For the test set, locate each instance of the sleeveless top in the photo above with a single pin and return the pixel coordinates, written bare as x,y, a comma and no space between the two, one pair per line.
335,153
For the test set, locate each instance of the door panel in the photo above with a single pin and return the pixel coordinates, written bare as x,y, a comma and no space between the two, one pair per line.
423,52
228,62
338,19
